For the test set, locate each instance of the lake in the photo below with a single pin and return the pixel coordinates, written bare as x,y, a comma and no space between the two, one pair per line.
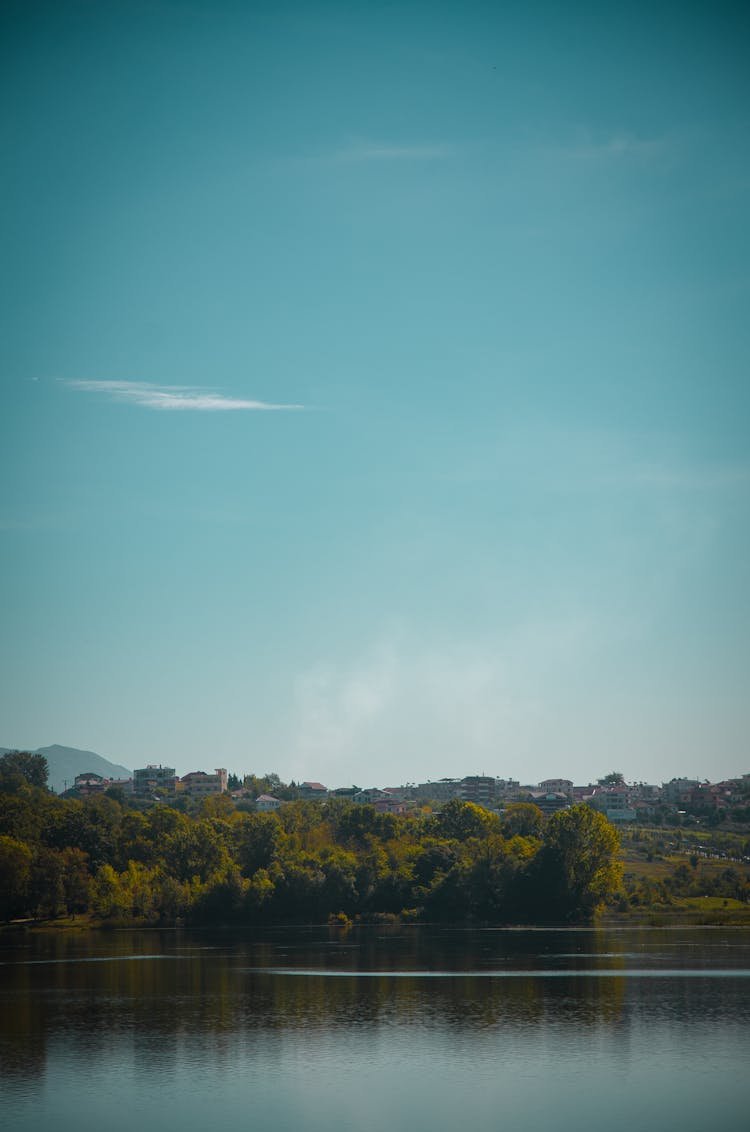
375,1028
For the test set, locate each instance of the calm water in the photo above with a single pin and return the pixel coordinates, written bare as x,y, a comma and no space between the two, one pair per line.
376,1029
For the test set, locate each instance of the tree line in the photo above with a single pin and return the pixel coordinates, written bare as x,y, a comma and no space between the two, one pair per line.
306,863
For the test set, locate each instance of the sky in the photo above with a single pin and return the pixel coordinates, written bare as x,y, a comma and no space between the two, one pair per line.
374,387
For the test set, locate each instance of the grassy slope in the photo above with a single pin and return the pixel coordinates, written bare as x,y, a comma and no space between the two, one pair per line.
685,909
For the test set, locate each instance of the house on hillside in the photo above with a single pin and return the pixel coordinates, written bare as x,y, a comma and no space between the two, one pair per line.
150,778
265,804
556,785
370,796
201,785
614,804
312,790
388,804
89,783
548,801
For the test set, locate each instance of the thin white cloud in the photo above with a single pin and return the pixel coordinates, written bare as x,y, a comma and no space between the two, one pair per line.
613,146
175,398
364,151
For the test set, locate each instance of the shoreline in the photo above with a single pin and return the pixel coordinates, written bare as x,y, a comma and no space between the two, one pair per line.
658,917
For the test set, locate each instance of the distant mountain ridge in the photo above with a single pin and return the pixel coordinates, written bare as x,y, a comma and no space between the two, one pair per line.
66,762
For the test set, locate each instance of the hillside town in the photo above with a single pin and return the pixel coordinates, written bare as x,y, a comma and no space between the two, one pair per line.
681,800
208,848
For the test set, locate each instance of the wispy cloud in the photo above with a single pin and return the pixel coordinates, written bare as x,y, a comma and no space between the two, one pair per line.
175,398
364,151
619,145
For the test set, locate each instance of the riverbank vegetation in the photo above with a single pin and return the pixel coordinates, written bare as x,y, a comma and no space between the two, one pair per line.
111,862
305,863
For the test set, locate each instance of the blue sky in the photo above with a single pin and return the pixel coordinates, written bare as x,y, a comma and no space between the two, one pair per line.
375,387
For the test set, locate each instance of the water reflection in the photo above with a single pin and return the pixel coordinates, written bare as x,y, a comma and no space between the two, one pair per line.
154,1008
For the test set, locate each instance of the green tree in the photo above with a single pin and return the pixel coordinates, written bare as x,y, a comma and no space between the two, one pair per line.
21,816
259,895
196,851
575,871
163,820
133,840
171,899
222,900
31,768
75,880
522,819
256,838
340,880
91,825
47,883
299,889
216,806
354,824
462,820
15,875
434,861
109,897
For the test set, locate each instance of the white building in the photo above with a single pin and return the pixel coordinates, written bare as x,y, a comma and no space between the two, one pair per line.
265,804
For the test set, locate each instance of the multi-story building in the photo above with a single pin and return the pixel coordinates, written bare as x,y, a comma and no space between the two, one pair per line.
507,787
614,804
556,785
479,788
344,792
441,791
90,783
643,792
678,791
201,785
548,801
151,778
370,796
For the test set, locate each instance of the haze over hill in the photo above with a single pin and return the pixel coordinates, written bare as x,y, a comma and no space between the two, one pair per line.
66,762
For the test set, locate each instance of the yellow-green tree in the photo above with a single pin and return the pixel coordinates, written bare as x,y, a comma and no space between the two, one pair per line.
576,869
15,874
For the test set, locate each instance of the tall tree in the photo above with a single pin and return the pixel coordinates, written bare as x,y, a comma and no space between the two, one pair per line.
15,873
522,819
33,768
575,871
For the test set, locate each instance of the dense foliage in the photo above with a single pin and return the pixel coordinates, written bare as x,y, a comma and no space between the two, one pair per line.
305,863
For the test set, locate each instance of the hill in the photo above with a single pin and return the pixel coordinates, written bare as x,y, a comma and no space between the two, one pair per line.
66,762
